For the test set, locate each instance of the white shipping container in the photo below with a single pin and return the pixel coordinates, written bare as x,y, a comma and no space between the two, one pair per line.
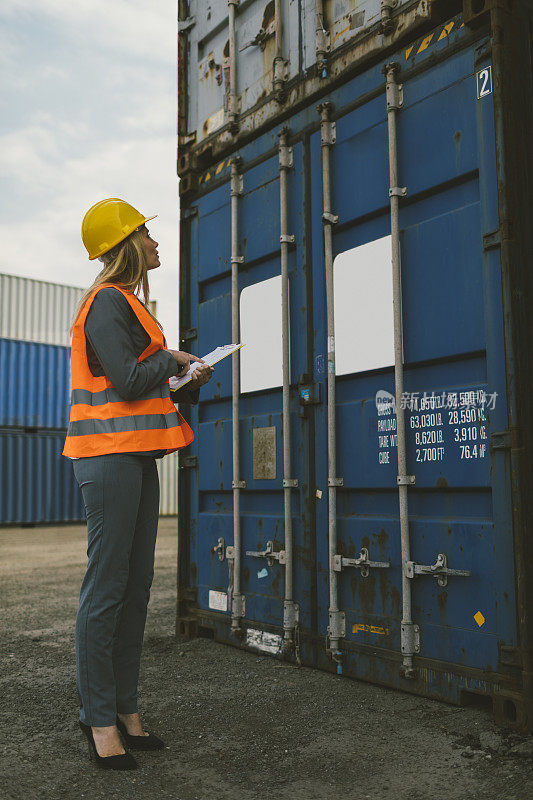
268,51
39,311
36,311
168,485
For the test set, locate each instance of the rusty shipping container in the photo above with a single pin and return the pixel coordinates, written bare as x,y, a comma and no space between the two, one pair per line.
356,196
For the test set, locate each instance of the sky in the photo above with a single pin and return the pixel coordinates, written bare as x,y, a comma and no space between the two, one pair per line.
88,110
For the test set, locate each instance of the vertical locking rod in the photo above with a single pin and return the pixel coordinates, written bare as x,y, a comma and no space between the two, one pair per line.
236,182
290,612
329,219
321,39
232,98
278,67
408,631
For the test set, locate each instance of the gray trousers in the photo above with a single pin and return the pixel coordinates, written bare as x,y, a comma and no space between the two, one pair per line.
121,495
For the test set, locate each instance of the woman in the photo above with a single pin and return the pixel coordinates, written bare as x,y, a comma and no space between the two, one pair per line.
122,418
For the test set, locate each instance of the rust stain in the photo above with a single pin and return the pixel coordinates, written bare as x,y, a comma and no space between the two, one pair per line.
442,599
382,538
367,593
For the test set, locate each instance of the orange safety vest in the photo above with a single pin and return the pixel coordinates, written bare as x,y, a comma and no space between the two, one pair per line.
101,421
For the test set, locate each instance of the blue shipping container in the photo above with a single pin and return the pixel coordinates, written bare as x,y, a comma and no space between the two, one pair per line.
38,483
35,387
463,165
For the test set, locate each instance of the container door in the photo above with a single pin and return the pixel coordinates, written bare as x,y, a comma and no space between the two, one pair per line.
260,404
454,362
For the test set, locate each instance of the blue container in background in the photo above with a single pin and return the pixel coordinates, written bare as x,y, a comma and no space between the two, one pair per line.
37,481
34,385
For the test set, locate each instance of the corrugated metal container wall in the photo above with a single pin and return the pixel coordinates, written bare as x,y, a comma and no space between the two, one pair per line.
168,485
35,387
36,311
368,513
38,483
269,54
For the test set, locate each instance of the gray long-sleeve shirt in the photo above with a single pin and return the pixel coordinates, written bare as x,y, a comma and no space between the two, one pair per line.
115,340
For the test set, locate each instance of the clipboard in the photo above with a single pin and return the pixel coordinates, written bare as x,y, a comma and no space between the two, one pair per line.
211,358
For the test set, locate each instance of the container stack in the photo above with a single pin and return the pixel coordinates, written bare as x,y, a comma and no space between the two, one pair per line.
38,484
353,184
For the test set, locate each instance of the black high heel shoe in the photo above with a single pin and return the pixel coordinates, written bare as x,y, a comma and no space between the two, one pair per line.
123,761
150,742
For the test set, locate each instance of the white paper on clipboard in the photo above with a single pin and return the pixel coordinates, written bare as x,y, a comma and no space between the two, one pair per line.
211,358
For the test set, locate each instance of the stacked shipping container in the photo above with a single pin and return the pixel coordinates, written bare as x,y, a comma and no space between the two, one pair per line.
362,505
37,481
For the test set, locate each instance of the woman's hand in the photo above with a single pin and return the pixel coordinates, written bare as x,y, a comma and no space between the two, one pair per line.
201,375
183,360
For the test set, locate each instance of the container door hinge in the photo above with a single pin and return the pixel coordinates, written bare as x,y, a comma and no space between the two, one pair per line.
362,562
504,440
185,25
269,553
439,570
189,213
492,240
190,593
410,638
188,334
186,139
291,614
509,656
188,462
337,625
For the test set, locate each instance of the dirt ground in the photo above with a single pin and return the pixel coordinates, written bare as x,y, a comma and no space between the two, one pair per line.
237,725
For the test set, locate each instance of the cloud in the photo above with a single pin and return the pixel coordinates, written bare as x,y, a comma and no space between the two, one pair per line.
88,108
128,26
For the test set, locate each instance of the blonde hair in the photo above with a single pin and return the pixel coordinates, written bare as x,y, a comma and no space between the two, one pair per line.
125,266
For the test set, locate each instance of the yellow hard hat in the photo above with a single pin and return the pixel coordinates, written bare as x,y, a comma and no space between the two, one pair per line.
108,223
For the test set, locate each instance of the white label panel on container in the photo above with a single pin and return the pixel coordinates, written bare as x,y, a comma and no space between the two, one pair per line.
218,600
262,640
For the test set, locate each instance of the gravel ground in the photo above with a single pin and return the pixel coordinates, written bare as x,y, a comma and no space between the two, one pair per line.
237,725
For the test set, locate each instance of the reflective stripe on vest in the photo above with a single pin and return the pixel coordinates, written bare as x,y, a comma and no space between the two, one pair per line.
138,422
110,396
101,421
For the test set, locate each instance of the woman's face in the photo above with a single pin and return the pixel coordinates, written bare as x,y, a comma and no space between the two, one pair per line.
150,246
